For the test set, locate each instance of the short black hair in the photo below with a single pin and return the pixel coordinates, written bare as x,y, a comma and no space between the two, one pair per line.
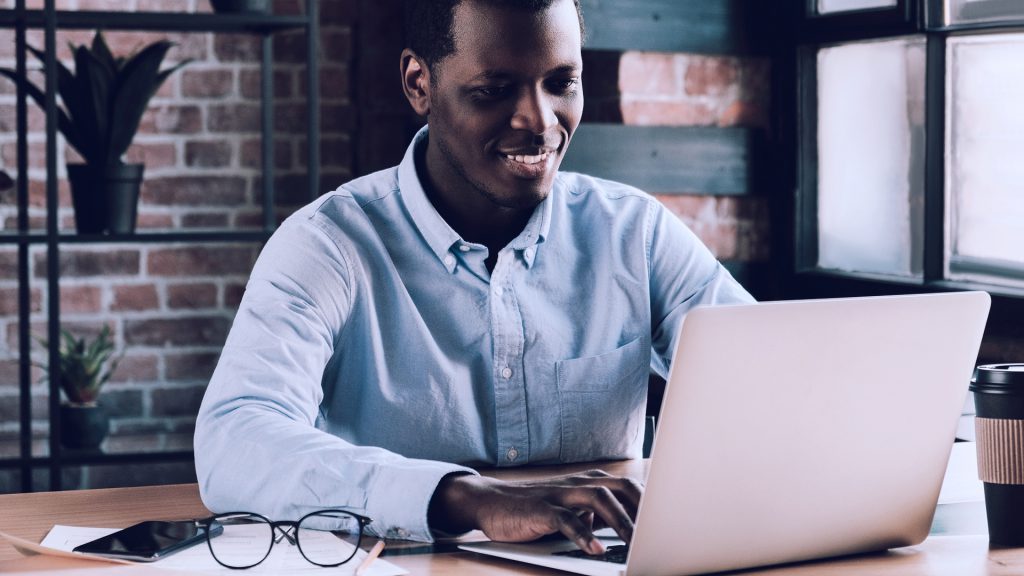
428,24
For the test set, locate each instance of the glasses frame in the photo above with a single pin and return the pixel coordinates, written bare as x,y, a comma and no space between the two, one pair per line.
283,529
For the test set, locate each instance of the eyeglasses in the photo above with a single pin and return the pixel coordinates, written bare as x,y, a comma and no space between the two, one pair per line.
325,538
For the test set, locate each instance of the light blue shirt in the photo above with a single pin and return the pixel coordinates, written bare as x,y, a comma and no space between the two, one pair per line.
373,353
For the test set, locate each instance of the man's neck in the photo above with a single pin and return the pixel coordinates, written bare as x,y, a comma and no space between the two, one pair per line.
471,215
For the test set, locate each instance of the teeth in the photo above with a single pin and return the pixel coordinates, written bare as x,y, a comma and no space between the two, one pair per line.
527,159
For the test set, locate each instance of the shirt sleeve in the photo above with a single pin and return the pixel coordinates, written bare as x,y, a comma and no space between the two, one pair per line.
257,444
683,275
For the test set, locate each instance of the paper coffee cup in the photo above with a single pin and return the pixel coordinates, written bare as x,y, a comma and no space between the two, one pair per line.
999,399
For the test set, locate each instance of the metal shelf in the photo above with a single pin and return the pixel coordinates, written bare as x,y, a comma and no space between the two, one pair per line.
160,21
83,458
202,237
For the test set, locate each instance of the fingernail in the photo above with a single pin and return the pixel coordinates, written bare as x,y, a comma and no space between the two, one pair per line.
596,547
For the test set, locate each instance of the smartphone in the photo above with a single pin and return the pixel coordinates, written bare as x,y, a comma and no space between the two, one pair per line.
149,541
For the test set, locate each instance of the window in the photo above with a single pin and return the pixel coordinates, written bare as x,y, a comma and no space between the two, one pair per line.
911,141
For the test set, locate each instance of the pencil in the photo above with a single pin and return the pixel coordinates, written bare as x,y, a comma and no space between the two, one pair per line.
370,557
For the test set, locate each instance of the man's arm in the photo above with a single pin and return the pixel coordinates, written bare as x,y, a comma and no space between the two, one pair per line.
257,445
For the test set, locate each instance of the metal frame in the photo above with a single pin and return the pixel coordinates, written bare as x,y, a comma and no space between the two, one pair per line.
51,20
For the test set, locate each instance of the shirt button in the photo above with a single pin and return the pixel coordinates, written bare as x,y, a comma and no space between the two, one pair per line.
512,454
506,373
464,247
449,260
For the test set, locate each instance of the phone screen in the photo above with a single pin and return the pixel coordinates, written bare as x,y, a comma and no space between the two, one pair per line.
146,541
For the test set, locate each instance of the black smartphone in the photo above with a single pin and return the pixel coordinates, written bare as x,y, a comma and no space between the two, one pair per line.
148,541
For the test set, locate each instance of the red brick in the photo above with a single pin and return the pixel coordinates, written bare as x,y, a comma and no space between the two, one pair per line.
146,221
190,366
194,191
85,263
336,118
172,119
192,295
339,11
165,5
134,297
201,261
649,74
177,401
153,154
136,368
36,155
37,194
744,114
9,115
334,84
233,295
252,153
290,47
204,220
654,113
187,331
236,48
233,118
8,263
336,45
207,154
207,83
81,299
9,301
249,84
710,75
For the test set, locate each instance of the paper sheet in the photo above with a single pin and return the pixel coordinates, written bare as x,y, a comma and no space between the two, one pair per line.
284,559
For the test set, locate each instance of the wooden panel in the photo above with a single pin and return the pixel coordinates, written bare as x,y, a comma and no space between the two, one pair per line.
665,159
701,26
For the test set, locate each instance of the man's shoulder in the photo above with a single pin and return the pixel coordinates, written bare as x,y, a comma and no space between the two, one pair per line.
351,197
583,190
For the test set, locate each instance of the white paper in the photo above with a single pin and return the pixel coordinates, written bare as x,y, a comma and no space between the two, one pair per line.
284,558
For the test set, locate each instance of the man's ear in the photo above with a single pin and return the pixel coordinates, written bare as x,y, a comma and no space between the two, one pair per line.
416,82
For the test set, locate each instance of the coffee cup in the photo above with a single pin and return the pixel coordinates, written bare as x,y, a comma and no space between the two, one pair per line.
999,398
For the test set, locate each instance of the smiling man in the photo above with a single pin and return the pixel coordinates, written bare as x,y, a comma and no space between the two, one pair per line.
472,306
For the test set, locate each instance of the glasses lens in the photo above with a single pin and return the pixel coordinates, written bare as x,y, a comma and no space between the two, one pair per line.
245,541
330,537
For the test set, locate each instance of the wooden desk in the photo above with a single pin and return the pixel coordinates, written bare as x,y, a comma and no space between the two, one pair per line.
31,516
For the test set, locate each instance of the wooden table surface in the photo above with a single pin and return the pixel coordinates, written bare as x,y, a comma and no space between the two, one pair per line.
31,516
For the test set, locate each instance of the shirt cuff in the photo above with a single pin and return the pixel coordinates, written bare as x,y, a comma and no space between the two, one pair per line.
400,498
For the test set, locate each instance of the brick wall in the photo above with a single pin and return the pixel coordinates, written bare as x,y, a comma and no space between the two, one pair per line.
170,305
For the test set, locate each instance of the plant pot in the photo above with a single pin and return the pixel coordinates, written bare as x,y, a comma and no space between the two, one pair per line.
236,6
105,200
83,426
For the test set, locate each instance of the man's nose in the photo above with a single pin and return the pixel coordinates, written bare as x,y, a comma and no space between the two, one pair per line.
534,112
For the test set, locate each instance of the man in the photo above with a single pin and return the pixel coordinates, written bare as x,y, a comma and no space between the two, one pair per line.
469,307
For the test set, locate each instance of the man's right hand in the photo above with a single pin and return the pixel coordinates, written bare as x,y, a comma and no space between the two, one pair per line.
574,505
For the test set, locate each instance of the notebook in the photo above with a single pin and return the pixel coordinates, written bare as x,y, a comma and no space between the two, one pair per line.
796,430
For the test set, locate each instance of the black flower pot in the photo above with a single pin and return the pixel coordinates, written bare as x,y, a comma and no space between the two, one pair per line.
236,6
106,200
83,426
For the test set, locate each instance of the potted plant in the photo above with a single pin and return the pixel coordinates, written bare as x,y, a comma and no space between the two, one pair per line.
84,367
103,102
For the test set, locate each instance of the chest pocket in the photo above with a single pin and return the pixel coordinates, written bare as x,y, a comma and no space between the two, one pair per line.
602,401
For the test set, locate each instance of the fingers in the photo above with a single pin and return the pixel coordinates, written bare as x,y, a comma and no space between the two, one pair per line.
604,504
575,530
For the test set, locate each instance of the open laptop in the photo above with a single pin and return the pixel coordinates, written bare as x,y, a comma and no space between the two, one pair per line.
796,430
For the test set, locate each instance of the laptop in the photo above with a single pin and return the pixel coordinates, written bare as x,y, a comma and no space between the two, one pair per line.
798,430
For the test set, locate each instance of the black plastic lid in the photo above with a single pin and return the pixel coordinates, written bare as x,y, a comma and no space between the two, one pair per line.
999,378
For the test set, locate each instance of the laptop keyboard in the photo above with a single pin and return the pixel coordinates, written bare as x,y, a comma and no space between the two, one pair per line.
616,554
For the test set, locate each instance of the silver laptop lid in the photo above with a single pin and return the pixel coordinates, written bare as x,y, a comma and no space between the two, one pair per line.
804,429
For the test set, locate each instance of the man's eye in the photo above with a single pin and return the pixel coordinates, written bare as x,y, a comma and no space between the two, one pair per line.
563,85
491,92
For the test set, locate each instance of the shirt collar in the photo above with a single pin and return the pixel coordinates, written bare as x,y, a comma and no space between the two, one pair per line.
439,235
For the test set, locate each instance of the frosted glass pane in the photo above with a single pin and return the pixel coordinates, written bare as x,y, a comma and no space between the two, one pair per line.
829,6
871,156
963,11
984,176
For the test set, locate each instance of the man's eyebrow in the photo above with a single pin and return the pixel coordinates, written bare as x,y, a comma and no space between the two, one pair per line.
498,74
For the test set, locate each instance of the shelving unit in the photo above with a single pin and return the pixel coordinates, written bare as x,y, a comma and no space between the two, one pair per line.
50,20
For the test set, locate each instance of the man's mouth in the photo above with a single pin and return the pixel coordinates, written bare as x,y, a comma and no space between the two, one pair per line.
528,158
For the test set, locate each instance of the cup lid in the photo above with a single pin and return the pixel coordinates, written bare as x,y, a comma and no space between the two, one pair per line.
995,376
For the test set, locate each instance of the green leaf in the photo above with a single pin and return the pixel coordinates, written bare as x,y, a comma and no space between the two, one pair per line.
92,126
64,123
136,85
102,53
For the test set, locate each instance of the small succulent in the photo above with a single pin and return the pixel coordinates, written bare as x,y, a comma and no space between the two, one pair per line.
85,367
104,99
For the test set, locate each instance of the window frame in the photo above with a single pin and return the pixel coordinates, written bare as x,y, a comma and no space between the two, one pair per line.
812,31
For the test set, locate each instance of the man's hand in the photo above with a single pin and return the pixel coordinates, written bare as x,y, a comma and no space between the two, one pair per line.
524,511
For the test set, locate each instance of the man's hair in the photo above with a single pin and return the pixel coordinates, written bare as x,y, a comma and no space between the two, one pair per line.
428,23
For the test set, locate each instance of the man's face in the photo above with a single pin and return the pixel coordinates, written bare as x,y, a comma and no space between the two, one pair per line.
504,106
